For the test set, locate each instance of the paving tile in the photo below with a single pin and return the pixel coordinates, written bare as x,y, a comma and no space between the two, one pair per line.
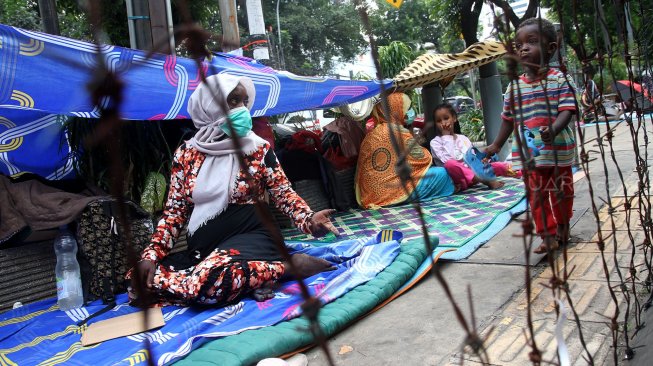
621,238
590,267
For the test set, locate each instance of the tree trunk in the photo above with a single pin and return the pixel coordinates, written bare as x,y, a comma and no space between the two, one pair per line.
229,18
49,18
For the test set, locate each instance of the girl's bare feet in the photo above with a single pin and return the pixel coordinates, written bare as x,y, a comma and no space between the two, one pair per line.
495,184
492,184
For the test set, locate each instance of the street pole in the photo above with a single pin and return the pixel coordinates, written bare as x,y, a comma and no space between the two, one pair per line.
472,83
492,100
230,34
256,25
49,18
138,23
161,37
283,60
431,98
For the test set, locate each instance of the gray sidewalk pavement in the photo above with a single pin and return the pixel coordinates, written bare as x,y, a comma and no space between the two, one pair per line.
420,328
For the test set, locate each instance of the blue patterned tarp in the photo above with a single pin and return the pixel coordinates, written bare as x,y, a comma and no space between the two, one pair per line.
42,76
42,334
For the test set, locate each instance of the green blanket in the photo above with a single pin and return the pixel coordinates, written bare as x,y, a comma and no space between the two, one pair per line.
251,346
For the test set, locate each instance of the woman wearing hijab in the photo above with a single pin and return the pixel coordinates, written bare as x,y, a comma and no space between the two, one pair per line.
230,251
377,181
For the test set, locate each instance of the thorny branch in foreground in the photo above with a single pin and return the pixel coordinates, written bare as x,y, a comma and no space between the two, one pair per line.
108,88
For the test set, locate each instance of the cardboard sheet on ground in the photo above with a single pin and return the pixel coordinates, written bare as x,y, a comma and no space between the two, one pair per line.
121,326
41,333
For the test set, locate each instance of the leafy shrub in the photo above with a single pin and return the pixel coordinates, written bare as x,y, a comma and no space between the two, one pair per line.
471,125
145,155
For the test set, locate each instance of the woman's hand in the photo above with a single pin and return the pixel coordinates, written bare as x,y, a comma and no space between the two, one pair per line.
145,270
143,283
321,224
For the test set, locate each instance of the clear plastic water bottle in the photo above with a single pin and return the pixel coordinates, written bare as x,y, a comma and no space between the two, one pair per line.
69,280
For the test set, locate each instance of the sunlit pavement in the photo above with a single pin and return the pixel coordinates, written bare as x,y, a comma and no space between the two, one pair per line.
419,328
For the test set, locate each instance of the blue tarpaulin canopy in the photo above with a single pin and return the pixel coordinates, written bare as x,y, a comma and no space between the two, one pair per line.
44,78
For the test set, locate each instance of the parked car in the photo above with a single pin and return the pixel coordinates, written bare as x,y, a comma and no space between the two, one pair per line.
282,130
461,104
312,120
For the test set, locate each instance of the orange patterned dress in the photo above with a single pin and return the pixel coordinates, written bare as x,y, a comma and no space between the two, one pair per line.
377,183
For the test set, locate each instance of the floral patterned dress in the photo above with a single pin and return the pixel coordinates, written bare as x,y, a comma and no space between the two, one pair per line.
223,275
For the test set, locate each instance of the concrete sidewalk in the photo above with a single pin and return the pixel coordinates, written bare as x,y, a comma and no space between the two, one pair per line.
420,328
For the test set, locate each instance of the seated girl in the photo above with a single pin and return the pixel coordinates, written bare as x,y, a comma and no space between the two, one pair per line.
450,148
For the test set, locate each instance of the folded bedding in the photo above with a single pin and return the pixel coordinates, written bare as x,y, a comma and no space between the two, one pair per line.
42,334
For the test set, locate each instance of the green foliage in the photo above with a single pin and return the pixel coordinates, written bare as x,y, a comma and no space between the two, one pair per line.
583,32
206,13
20,13
412,24
395,57
143,150
74,21
471,125
448,11
615,69
416,102
154,193
643,31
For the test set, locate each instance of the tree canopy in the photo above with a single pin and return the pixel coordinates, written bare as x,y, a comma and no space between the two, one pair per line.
315,32
20,13
461,17
602,32
413,24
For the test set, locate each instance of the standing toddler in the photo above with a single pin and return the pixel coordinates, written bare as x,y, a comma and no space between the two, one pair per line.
538,108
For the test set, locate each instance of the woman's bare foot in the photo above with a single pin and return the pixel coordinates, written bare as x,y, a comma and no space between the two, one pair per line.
548,243
306,266
263,293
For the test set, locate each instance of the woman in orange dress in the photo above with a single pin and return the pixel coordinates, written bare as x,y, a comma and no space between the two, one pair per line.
377,181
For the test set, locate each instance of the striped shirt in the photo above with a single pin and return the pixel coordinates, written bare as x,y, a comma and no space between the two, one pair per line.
541,101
